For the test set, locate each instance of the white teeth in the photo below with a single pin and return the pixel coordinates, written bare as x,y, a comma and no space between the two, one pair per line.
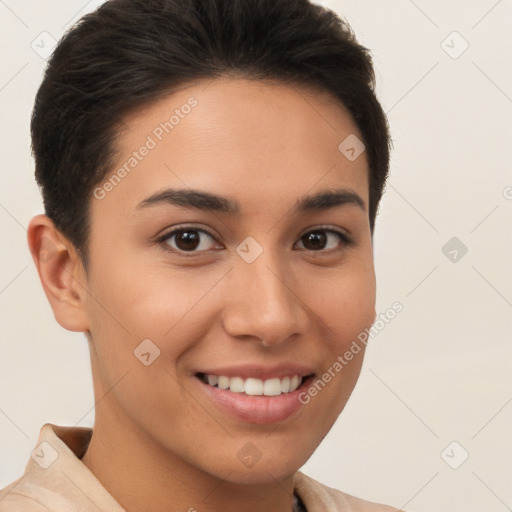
272,387
213,379
223,382
255,387
294,383
236,384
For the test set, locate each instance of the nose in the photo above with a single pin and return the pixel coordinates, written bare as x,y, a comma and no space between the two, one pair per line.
264,301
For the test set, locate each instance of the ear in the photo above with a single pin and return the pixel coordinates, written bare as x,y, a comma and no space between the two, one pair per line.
61,273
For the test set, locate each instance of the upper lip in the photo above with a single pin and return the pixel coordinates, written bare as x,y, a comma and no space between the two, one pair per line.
259,372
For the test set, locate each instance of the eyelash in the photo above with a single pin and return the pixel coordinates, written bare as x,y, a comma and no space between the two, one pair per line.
345,239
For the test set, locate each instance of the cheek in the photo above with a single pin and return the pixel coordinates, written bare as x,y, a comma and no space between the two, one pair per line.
167,306
137,320
346,303
346,307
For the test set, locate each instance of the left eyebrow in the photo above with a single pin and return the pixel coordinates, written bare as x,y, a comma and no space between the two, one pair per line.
328,199
201,200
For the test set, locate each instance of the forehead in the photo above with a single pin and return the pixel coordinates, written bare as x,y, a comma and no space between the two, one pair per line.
257,140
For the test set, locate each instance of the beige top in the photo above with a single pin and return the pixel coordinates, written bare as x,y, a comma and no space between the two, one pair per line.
56,480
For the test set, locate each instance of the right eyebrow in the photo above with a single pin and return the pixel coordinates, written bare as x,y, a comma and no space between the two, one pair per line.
189,198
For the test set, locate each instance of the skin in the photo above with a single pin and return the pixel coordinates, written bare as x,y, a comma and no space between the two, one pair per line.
157,439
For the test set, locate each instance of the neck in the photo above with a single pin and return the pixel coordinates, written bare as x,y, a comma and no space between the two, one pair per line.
143,476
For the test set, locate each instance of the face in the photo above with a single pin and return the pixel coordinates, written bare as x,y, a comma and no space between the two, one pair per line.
249,288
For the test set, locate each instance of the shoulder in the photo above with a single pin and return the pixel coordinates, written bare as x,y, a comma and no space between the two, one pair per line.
314,493
12,500
359,505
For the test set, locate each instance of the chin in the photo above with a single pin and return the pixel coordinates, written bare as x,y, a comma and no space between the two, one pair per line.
253,467
260,474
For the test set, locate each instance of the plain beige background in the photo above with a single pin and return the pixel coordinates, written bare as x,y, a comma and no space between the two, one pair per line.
436,383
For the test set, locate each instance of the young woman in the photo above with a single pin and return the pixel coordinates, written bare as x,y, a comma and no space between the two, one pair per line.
211,172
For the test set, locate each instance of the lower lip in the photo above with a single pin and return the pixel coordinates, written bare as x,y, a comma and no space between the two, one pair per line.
256,409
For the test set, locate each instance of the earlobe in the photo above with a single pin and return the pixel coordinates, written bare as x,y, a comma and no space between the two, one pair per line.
61,273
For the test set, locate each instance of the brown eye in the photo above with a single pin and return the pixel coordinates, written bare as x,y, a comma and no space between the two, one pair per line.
322,239
188,240
314,240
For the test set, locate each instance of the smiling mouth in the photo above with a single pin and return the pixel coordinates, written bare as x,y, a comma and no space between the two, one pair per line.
254,387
